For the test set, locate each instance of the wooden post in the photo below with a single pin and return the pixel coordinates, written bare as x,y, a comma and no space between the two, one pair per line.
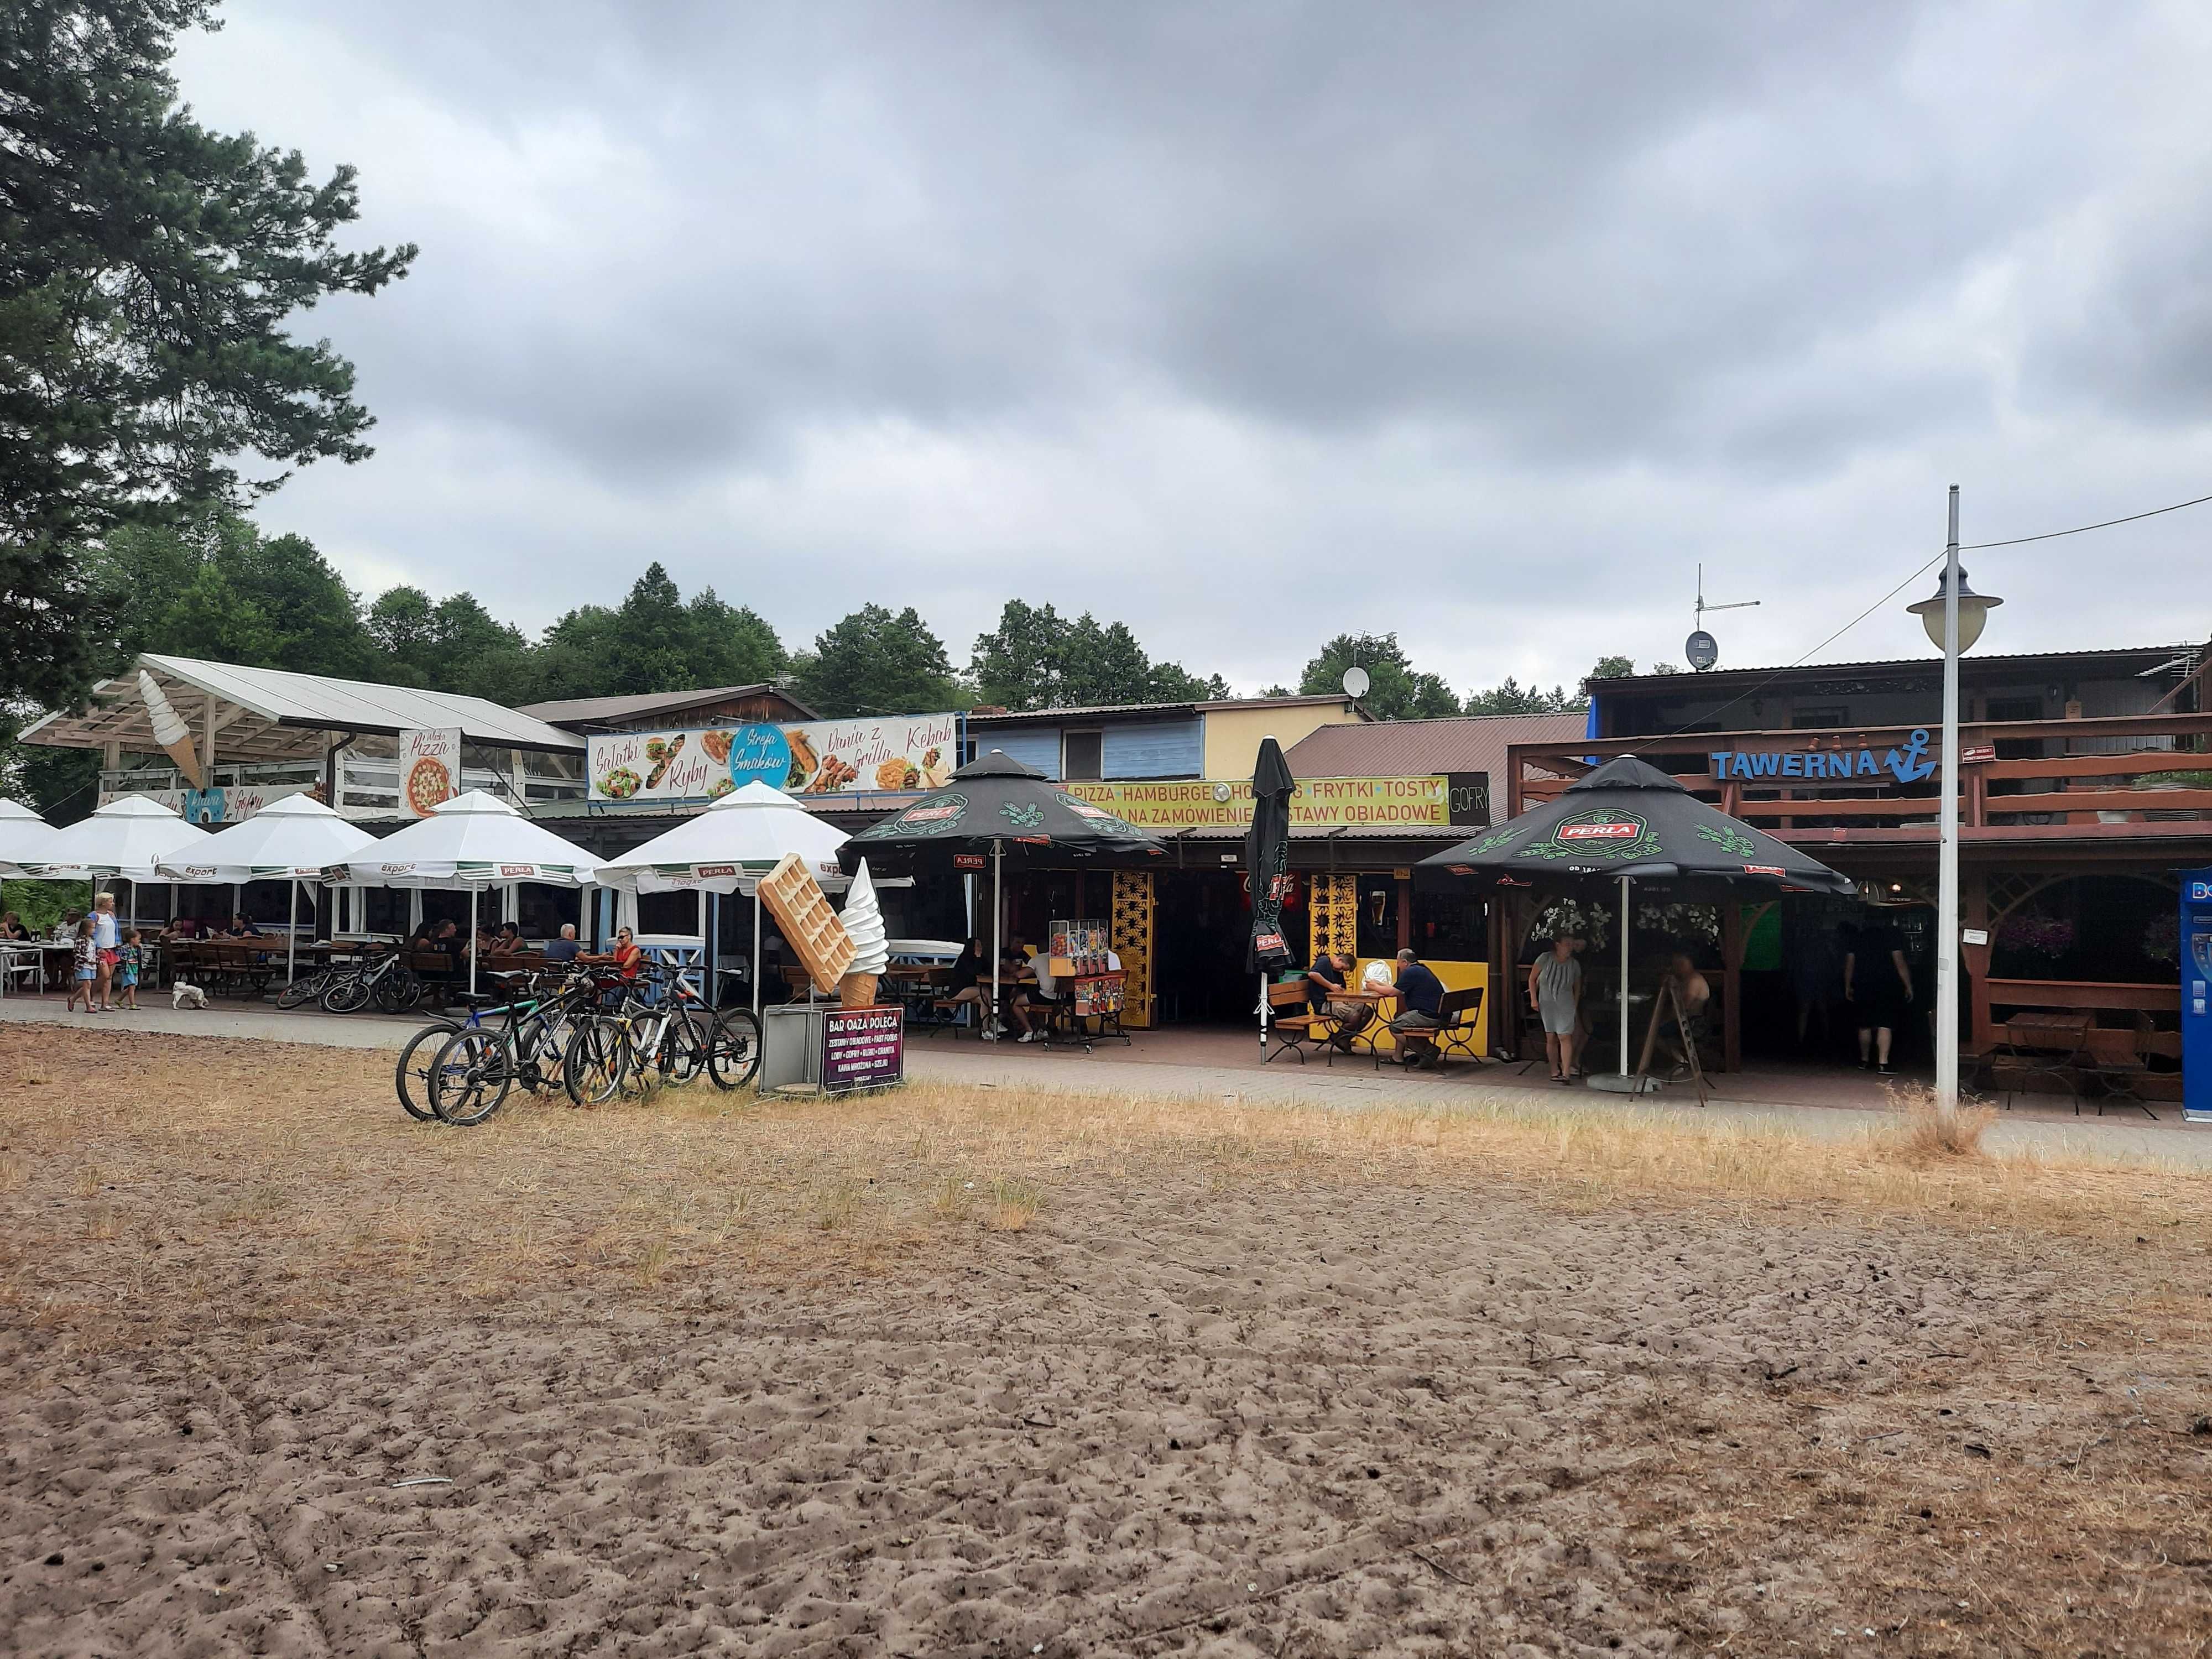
1732,943
1405,878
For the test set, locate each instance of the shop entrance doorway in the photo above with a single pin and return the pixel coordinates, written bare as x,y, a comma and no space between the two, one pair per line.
1200,920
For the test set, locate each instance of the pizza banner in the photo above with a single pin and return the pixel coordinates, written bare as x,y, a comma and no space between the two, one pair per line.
429,768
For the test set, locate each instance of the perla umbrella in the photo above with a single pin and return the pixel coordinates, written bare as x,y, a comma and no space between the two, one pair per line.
293,839
1267,868
727,848
1628,821
474,841
995,805
25,837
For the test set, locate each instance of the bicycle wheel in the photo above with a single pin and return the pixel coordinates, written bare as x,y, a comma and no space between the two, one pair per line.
411,1076
347,996
683,1055
469,1078
398,991
733,1048
597,1060
308,987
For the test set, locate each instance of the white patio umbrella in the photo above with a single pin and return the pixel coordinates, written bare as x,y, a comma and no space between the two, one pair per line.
474,841
727,848
127,837
292,839
24,837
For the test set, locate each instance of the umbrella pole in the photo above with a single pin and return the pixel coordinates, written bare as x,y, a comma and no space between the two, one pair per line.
756,954
473,963
997,870
1263,1014
292,935
1624,976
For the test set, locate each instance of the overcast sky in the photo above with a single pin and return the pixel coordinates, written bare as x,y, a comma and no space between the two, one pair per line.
1249,324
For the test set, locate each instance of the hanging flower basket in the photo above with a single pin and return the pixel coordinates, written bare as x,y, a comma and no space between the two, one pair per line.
2037,936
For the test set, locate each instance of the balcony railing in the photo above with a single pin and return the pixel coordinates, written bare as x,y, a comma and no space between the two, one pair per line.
2026,779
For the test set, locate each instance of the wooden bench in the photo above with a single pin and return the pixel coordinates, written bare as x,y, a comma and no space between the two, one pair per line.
1296,1029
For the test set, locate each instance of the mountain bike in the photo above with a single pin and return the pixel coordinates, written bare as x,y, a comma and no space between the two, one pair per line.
308,987
387,978
477,1064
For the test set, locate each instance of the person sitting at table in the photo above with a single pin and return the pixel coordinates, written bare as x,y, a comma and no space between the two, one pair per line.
241,927
12,928
1328,991
565,948
963,986
65,930
1420,996
626,955
506,942
178,928
1040,990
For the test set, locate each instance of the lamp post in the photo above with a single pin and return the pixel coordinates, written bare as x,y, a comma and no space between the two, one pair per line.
1954,617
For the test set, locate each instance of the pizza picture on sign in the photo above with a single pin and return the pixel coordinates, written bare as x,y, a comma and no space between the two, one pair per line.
428,783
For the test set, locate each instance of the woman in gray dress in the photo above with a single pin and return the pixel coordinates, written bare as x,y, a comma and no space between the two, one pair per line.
1555,991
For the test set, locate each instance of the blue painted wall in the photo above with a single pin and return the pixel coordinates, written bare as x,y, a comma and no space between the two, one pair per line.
1156,749
1032,745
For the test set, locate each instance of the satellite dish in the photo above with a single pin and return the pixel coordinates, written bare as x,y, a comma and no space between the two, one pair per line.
1355,682
1702,649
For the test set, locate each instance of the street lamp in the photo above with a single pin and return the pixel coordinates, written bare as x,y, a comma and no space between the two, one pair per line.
1954,617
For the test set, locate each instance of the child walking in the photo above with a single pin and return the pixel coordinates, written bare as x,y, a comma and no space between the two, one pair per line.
128,958
84,980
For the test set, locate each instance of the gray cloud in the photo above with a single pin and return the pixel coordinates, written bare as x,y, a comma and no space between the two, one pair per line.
1173,311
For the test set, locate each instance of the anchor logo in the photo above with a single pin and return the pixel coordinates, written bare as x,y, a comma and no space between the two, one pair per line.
1909,765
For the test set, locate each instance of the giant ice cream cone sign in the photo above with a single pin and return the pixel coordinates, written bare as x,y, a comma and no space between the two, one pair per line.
170,730
863,917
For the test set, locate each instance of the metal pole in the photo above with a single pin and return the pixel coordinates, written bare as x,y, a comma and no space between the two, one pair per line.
1624,976
292,935
998,872
472,942
1947,864
756,953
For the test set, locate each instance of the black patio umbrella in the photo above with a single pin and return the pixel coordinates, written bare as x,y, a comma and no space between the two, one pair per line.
1266,867
996,806
1628,821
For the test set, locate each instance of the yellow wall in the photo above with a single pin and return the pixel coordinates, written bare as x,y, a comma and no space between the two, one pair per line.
1455,976
1232,735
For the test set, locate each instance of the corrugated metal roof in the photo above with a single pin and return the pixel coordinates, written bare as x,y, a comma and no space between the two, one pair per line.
584,711
268,705
1414,749
1979,664
1136,710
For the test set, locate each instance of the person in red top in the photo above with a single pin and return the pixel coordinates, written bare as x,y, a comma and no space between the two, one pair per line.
626,955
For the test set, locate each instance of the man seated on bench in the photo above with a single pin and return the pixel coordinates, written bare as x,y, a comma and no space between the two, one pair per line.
1419,994
1035,996
964,988
1327,992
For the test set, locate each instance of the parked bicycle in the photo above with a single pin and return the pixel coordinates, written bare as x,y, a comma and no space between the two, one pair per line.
476,1066
640,1045
385,979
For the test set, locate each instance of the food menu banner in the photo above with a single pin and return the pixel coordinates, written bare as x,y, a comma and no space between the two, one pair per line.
863,1048
429,768
1321,803
813,757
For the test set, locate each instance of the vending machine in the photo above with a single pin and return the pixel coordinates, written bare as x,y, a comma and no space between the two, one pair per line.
2196,979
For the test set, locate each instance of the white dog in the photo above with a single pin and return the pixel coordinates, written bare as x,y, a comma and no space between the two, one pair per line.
184,995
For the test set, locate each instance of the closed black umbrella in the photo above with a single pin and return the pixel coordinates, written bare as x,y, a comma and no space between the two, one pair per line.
1628,821
1267,868
996,806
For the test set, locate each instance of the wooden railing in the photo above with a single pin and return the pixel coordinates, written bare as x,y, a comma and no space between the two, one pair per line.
2069,788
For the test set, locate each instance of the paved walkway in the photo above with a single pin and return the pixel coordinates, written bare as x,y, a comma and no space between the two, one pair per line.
1214,1066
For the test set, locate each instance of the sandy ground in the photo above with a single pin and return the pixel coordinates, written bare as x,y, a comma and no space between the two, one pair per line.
966,1371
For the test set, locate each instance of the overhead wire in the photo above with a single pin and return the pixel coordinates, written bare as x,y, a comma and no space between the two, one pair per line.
1758,686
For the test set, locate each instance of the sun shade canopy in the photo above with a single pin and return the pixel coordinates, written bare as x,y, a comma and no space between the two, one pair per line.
474,840
269,715
293,839
997,800
728,848
127,838
25,837
1629,818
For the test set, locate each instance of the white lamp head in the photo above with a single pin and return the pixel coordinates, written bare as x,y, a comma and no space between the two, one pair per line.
1974,611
